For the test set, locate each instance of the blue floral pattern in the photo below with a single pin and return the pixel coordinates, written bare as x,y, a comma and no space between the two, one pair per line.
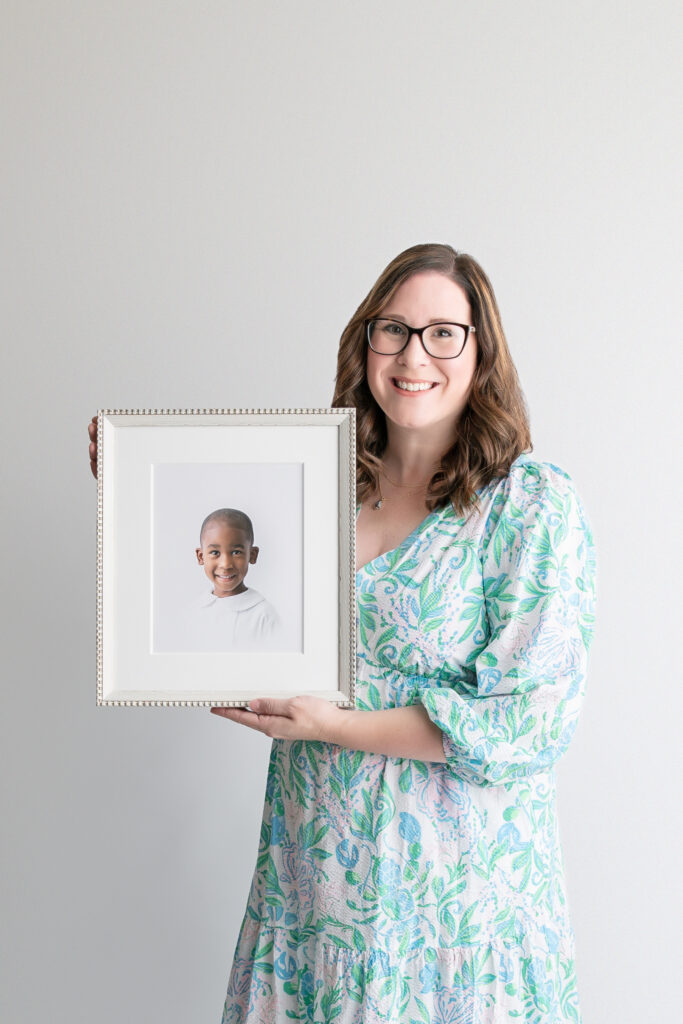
389,889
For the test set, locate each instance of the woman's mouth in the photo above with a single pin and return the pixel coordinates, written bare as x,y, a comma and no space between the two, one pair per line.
412,387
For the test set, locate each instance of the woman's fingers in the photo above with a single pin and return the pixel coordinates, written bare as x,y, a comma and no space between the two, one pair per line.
270,706
240,715
92,447
293,718
266,713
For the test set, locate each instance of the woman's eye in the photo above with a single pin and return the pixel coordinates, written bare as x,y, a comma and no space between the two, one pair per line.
393,329
443,332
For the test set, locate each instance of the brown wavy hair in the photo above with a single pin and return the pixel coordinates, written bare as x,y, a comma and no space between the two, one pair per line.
493,429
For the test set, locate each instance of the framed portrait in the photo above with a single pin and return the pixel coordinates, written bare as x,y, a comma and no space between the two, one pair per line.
225,555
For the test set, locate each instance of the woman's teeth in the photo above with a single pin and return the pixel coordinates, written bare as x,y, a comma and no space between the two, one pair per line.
405,386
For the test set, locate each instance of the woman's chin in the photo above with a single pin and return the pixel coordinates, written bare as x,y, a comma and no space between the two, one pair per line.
414,419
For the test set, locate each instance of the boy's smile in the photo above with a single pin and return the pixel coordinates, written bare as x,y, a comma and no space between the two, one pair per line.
226,555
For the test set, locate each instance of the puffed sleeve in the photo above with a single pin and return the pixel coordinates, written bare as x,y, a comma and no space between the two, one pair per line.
538,580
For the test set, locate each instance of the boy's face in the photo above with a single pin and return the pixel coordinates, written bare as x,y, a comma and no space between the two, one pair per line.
226,555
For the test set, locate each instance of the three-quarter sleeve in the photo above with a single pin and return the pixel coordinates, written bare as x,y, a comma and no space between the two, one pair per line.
538,583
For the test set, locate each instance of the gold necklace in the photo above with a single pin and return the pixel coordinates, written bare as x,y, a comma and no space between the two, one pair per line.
377,505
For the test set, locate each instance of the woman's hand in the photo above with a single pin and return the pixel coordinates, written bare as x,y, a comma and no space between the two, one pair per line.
394,732
92,447
295,718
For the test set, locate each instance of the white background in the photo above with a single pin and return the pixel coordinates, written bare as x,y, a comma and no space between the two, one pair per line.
172,171
271,494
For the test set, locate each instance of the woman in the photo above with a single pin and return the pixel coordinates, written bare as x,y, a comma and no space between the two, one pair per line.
409,867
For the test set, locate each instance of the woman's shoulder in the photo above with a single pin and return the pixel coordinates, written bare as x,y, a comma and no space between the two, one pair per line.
529,478
534,492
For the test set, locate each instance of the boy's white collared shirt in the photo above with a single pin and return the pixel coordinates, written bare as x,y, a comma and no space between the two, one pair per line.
249,598
245,621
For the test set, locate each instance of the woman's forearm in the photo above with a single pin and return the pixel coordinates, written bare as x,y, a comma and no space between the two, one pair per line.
395,732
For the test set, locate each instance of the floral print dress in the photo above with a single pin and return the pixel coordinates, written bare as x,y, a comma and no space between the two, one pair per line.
391,889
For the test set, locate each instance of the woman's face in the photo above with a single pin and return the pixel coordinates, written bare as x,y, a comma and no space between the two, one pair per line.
426,297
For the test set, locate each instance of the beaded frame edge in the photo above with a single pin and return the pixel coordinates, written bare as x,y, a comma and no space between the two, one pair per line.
351,467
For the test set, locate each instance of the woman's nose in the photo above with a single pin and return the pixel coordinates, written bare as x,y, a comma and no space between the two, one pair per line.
413,354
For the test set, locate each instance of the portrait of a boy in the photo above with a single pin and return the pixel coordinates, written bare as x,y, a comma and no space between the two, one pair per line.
231,615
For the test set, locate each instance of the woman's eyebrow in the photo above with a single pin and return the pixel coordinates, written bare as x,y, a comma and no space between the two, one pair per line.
434,319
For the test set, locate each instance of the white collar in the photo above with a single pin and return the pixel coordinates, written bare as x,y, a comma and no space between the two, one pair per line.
237,603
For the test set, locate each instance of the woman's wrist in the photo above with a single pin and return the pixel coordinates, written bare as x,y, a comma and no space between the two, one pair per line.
341,727
394,732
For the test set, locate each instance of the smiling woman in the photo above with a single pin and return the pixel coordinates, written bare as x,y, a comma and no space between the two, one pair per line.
409,867
422,383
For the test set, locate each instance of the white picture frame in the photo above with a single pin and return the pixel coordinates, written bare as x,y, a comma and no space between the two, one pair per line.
160,473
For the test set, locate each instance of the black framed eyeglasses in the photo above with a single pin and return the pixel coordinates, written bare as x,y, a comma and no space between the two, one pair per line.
445,340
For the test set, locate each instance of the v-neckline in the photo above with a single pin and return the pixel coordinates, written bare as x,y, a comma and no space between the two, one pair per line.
405,543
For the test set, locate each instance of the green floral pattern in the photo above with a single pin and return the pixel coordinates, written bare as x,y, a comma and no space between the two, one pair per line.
390,889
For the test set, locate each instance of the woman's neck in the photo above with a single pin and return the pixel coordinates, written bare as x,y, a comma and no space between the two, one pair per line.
415,455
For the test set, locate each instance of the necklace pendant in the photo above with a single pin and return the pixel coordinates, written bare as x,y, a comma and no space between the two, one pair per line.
378,504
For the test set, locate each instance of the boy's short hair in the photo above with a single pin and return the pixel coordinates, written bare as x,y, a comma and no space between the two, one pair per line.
231,516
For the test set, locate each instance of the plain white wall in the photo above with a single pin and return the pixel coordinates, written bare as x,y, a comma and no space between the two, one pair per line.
174,171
